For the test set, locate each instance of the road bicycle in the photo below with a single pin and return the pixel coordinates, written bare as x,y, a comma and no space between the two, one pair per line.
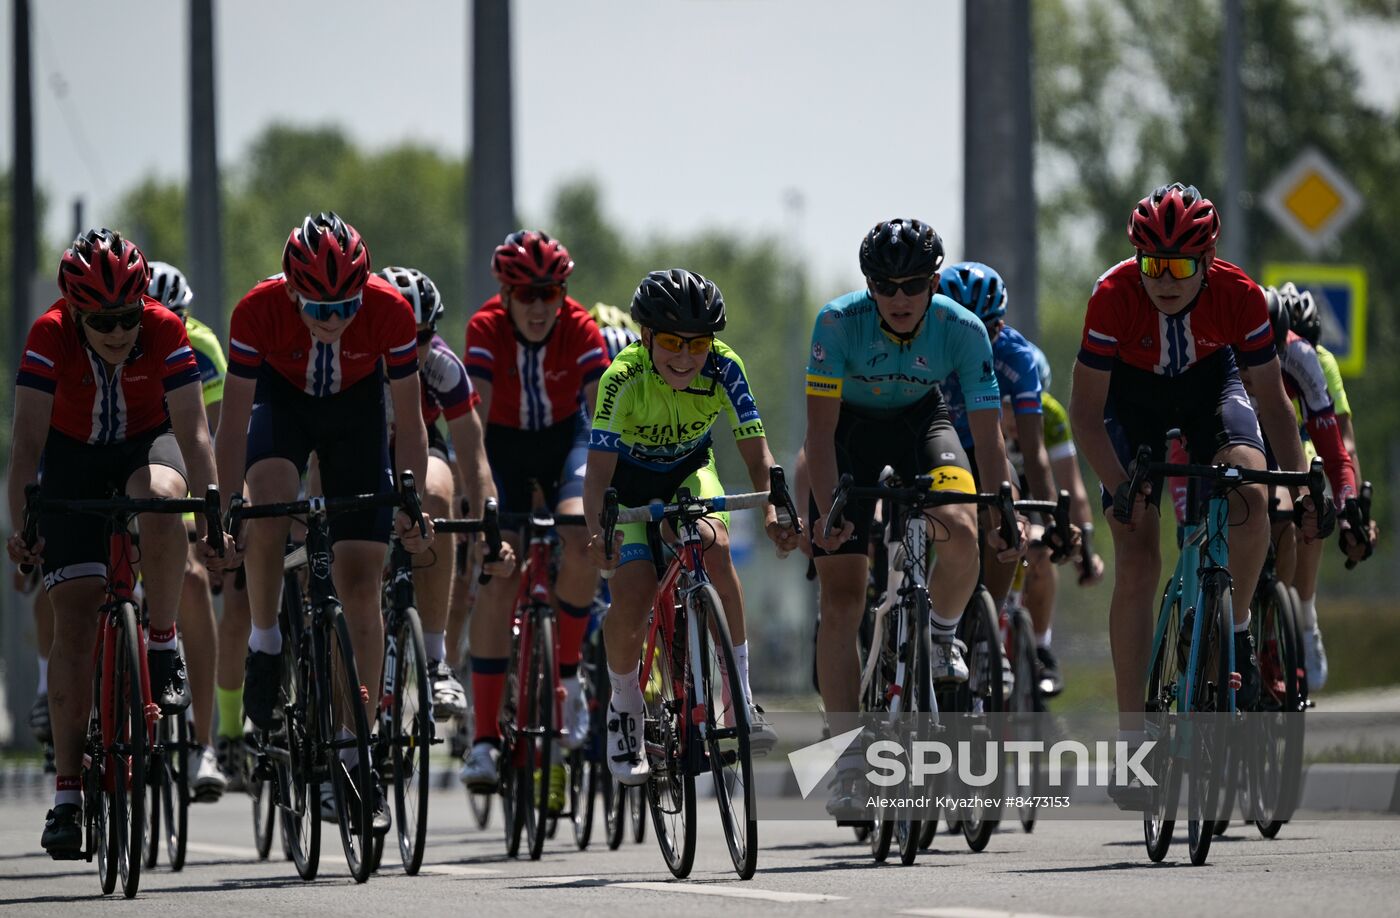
122,732
1193,670
696,713
321,696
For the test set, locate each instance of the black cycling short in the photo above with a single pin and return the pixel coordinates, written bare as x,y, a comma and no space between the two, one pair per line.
918,440
349,435
555,457
438,445
77,546
1207,404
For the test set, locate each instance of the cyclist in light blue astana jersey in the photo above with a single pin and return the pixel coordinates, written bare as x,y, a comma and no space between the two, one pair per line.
873,400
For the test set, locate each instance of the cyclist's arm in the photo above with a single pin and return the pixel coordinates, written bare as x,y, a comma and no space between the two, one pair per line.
822,414
1276,416
470,445
1087,401
1349,441
33,414
1336,462
483,408
590,397
410,435
1067,476
231,440
191,428
985,425
754,451
597,476
1040,477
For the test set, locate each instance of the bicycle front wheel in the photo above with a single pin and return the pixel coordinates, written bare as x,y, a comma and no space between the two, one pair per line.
1210,705
916,609
670,791
411,735
1163,686
537,740
984,694
175,786
1276,759
300,797
127,752
342,708
727,741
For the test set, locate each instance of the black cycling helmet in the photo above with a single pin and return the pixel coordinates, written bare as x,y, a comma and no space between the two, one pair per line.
1278,315
1303,316
678,301
901,247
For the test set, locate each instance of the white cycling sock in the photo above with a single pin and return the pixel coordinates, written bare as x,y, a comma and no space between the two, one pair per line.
265,640
943,628
1244,626
43,676
435,644
1309,609
741,659
626,693
1043,640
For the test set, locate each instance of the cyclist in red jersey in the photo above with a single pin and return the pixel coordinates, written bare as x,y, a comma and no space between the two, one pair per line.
308,350
1157,354
107,398
447,394
536,356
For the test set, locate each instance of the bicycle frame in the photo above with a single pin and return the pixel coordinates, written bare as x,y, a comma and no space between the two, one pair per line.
908,570
121,583
533,598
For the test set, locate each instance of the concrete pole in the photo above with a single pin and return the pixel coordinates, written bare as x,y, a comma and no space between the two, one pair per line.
490,181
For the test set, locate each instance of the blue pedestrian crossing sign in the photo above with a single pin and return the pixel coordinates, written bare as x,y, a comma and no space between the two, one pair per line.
1340,294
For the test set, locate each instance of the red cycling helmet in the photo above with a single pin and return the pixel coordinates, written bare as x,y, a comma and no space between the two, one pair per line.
1174,219
530,258
325,259
101,270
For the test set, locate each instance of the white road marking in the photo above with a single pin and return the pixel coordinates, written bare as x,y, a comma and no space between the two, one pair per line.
698,889
226,850
958,912
458,870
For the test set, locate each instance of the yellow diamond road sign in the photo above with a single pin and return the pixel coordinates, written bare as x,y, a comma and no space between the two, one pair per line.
1312,200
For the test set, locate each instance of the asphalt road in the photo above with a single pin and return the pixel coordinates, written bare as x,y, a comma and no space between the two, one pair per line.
1064,868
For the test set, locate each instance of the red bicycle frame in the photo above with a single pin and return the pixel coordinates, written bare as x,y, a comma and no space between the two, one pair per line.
661,632
121,585
534,588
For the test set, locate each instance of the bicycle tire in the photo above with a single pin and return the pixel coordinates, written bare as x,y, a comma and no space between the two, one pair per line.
638,811
412,705
128,817
927,832
1163,683
301,808
515,781
264,797
540,700
875,701
917,611
614,810
100,775
1024,703
984,695
175,788
583,789
670,789
727,737
339,690
155,791
1275,769
1210,699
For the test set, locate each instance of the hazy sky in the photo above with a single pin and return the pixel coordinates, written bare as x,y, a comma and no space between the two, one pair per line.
692,113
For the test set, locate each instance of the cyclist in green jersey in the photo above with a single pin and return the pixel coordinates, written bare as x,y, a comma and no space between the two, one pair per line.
651,436
196,616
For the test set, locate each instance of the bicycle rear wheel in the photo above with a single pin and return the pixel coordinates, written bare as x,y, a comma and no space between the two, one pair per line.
340,702
127,754
1276,762
726,730
637,808
984,694
670,791
411,735
1210,704
614,810
1163,684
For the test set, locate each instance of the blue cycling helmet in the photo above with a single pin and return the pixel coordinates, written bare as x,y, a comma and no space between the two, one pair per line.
975,286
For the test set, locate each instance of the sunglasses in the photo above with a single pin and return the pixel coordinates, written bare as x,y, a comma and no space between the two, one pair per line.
324,312
535,293
911,287
675,343
1180,267
104,323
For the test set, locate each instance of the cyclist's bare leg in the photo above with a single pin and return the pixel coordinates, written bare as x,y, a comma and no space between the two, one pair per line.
201,647
272,480
1306,570
489,634
164,545
432,575
624,629
43,622
953,530
842,580
358,575
1249,527
577,581
1137,565
1289,553
1042,579
233,638
75,605
459,612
